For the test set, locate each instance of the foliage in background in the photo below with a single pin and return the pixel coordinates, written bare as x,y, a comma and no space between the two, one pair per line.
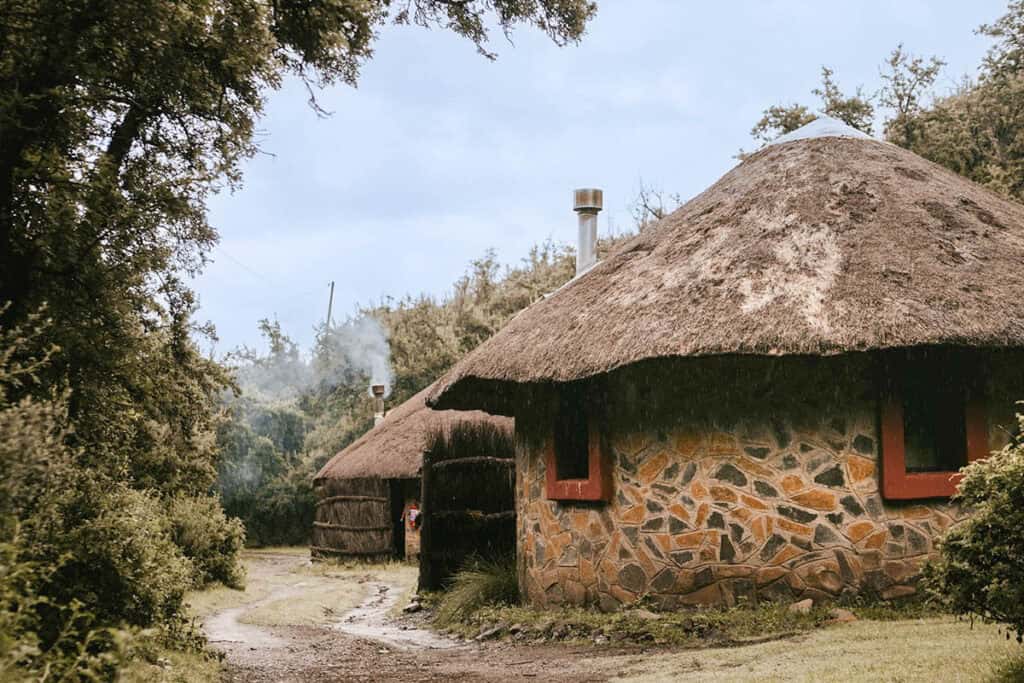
980,569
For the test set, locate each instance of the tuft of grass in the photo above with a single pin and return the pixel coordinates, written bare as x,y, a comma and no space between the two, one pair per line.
481,583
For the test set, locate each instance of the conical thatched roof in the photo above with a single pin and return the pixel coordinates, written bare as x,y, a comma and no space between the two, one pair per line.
394,448
821,244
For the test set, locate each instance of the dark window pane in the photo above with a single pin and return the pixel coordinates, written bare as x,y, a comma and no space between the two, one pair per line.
571,435
934,417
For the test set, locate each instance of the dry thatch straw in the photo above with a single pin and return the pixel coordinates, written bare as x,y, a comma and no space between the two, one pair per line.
394,448
816,246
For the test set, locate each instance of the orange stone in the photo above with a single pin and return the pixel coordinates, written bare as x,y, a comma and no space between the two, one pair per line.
697,490
653,467
702,514
580,521
742,514
759,529
916,512
754,503
708,555
875,540
786,554
723,494
623,595
721,444
679,511
588,575
691,539
664,541
760,470
634,515
687,443
792,483
858,530
860,468
708,595
817,499
769,574
734,571
792,527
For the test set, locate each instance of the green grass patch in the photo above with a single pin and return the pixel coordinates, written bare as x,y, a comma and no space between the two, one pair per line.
483,583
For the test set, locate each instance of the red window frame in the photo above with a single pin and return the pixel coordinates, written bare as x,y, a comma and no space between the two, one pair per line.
597,485
897,483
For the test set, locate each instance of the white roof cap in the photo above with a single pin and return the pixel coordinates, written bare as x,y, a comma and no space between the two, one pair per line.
822,127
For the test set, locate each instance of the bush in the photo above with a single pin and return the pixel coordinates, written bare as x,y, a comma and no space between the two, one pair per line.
980,569
208,538
479,584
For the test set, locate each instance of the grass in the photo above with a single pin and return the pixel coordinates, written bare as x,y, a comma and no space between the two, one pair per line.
173,666
929,649
482,583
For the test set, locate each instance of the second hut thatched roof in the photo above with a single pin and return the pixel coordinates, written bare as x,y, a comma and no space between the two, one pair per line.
393,449
821,244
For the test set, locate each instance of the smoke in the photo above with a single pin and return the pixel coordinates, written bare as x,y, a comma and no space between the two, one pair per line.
347,353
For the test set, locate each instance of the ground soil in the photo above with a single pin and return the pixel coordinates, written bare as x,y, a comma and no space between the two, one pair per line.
371,642
298,622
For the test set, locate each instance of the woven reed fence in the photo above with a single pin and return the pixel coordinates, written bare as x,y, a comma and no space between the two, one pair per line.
468,499
353,519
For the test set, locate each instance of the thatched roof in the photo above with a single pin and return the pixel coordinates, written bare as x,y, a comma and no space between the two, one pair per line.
818,245
394,448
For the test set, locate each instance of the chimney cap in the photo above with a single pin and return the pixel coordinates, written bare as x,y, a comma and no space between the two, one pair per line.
588,199
378,390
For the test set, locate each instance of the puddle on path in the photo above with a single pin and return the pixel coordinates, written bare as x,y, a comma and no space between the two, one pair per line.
370,620
225,627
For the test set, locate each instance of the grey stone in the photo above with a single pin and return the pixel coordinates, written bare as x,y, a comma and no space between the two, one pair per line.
627,464
682,557
632,533
731,474
835,517
823,535
653,524
772,547
800,542
715,521
874,505
806,448
845,570
632,578
831,477
896,530
664,581
624,554
492,632
851,505
676,525
569,558
759,452
705,577
654,506
653,547
782,437
864,444
670,472
916,541
623,501
797,514
726,553
664,489
789,462
802,607
689,473
765,489
736,533
538,552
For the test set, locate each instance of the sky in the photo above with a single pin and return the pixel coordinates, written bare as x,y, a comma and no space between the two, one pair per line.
440,154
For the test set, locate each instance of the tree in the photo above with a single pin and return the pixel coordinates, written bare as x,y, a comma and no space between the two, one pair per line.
906,82
856,110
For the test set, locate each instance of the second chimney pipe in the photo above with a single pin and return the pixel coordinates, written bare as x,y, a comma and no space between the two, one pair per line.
587,202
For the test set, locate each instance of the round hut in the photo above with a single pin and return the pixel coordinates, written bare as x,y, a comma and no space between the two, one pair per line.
365,493
768,393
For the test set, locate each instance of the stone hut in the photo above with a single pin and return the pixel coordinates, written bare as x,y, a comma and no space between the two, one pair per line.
768,393
365,493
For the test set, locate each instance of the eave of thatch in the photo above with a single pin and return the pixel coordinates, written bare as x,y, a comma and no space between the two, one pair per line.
816,246
393,449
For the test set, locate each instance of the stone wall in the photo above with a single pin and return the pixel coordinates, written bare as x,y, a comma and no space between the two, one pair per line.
733,479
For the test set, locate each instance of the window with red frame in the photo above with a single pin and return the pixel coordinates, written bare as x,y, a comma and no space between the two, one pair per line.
574,460
932,422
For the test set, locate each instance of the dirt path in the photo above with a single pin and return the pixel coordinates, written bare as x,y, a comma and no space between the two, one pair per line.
267,633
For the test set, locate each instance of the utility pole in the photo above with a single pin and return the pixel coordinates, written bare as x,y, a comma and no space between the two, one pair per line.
330,305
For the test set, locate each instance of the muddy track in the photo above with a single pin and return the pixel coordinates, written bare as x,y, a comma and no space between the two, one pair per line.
367,644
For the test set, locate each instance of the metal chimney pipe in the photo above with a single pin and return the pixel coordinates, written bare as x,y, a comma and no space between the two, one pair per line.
587,202
378,403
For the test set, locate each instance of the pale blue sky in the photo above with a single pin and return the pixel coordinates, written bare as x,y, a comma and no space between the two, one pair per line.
441,154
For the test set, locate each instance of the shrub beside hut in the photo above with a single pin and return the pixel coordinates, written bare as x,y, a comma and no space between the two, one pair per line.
768,393
365,493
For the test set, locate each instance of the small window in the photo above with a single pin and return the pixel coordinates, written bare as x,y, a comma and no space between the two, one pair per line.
575,460
572,437
933,423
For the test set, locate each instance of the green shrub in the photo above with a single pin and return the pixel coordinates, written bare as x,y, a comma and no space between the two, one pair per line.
208,538
980,569
479,584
